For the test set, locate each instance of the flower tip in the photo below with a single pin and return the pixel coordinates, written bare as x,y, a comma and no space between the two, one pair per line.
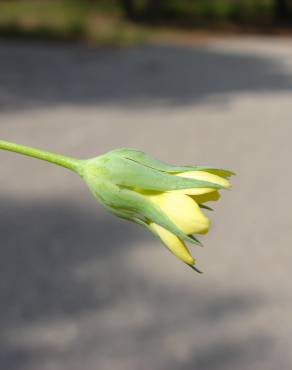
226,184
196,241
203,206
204,227
193,267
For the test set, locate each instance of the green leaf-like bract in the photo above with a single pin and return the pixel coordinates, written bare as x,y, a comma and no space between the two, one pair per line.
130,204
146,160
128,173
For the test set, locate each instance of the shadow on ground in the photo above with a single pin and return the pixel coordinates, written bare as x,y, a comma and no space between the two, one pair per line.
33,75
70,299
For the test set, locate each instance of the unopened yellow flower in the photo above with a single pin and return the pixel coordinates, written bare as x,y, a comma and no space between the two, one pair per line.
167,199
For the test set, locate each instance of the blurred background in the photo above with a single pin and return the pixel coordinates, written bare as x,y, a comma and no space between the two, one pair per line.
124,22
189,82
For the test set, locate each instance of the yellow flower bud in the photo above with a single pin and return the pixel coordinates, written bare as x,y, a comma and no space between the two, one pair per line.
165,198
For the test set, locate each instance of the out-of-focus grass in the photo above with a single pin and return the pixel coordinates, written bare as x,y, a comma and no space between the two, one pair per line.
67,20
108,22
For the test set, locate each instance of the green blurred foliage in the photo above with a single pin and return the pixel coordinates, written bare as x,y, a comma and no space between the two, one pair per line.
119,21
198,12
99,22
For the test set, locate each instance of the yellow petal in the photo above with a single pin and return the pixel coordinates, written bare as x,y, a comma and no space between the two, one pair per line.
183,211
208,197
173,243
205,176
193,191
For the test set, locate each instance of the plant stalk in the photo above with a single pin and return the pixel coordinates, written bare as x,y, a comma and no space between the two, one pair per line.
72,164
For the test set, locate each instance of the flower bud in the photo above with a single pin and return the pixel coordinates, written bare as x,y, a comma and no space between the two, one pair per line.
167,199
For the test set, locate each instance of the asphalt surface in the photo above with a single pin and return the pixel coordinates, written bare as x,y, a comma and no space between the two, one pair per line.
81,289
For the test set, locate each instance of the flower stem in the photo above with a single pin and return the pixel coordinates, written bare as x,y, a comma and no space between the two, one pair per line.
61,160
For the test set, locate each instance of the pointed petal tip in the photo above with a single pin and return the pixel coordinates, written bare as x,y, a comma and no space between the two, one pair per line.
229,187
229,173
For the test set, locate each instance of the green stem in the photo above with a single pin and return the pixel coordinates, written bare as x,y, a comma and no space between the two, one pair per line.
61,160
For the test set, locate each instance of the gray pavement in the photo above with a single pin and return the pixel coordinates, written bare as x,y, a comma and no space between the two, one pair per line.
81,289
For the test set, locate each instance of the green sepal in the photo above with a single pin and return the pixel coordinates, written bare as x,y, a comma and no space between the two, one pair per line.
126,215
206,207
121,213
145,207
193,267
128,173
146,160
196,241
132,205
129,216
